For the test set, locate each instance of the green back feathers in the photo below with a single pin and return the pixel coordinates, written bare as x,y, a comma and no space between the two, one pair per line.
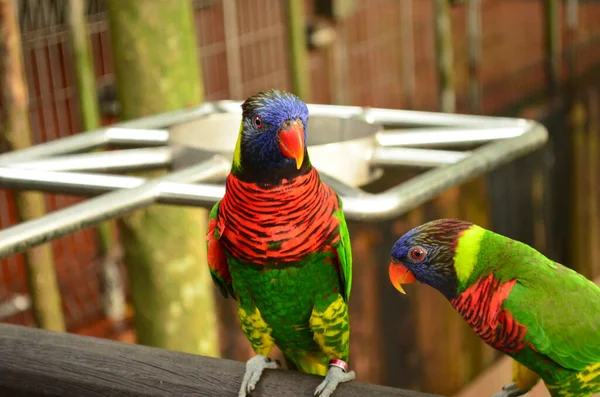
559,307
480,252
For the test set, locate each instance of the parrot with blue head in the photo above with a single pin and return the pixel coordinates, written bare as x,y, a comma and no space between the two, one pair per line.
279,245
539,312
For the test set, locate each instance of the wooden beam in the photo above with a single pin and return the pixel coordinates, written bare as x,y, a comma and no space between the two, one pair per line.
445,57
553,46
35,362
297,49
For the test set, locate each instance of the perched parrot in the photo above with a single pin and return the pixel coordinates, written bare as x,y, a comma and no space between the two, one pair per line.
539,312
279,245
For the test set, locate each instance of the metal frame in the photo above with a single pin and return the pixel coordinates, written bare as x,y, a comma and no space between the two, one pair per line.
410,139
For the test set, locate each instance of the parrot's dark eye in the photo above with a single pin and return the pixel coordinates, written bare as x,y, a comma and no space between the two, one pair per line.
417,254
258,122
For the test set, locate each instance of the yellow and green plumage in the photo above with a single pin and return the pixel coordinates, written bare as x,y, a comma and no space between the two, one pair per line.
278,241
543,314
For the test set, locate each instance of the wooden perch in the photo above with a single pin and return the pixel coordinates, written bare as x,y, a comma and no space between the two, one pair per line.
35,362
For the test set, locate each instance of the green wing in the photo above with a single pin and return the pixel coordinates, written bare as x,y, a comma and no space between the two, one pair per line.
561,310
344,252
216,258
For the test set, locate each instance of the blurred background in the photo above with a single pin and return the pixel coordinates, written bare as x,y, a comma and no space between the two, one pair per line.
538,59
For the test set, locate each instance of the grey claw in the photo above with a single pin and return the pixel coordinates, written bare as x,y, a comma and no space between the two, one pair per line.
334,377
254,369
510,390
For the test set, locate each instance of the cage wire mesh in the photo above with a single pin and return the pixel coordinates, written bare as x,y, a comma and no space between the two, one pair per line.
53,114
242,50
383,56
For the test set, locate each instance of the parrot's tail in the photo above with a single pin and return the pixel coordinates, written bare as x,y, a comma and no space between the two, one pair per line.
315,363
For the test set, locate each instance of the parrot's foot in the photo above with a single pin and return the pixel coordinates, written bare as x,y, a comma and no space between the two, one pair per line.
335,375
254,369
511,390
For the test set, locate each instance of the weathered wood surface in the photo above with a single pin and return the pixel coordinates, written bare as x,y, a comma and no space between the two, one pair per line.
35,362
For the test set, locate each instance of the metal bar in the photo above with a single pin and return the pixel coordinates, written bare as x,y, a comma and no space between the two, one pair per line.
75,183
389,117
75,143
448,120
196,195
416,157
445,136
85,184
118,134
87,141
121,134
396,117
136,137
118,160
427,185
340,187
108,206
517,136
169,189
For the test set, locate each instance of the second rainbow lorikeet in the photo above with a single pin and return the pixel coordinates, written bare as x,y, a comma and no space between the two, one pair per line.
539,312
279,245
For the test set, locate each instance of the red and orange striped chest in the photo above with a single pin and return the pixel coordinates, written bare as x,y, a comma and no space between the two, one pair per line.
283,223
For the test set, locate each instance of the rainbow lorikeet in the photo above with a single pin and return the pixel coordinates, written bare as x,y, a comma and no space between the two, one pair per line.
539,312
278,243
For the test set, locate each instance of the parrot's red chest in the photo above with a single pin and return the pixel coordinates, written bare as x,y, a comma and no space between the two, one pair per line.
481,307
282,224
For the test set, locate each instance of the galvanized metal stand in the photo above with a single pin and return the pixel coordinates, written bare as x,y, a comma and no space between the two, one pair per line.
348,145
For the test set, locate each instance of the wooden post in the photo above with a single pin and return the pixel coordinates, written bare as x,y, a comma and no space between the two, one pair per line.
232,49
593,196
84,68
578,214
365,311
85,78
298,51
41,275
444,56
408,52
571,37
553,58
474,53
157,70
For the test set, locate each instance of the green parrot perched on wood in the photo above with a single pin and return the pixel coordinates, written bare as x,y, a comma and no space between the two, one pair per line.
279,245
539,312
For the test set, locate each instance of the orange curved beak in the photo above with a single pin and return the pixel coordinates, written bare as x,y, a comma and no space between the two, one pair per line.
291,141
399,274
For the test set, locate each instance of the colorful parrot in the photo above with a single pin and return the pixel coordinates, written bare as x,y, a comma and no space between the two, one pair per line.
541,313
279,245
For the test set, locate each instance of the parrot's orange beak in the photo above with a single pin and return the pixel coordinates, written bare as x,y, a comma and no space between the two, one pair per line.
291,141
399,274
